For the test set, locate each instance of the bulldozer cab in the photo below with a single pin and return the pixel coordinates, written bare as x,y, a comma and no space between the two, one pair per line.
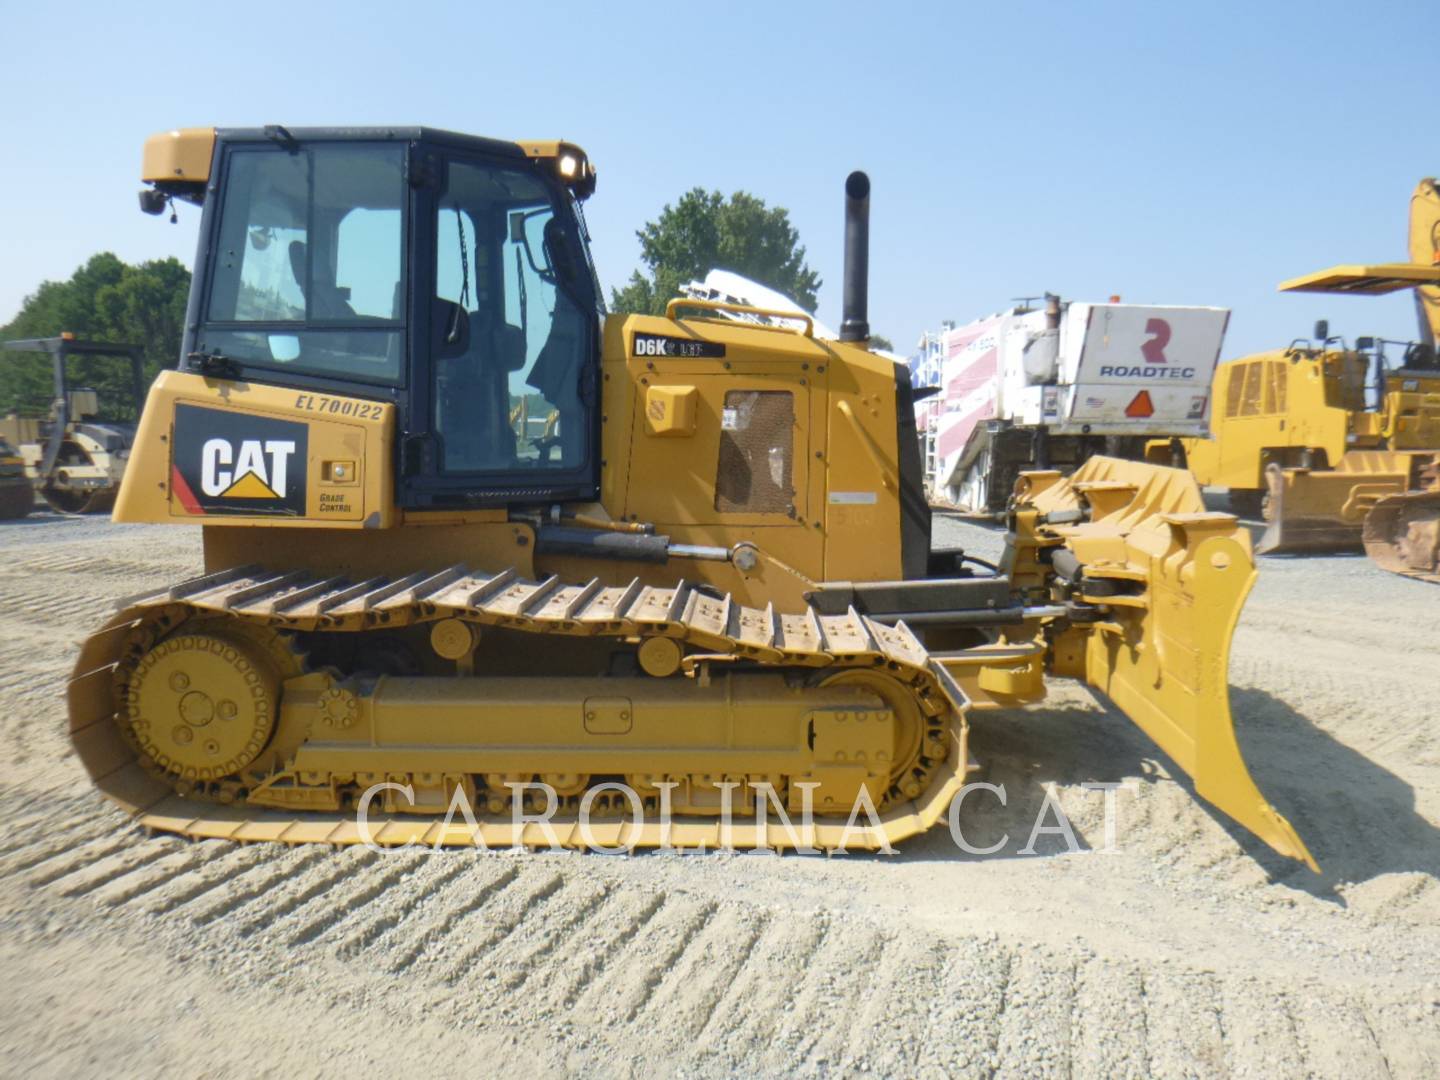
446,274
1345,373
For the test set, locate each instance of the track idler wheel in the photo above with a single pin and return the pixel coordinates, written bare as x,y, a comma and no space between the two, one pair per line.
203,703
919,740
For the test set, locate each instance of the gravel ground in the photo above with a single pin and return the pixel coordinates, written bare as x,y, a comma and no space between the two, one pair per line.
1190,951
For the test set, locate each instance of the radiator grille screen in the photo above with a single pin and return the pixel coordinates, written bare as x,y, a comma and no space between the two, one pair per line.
757,440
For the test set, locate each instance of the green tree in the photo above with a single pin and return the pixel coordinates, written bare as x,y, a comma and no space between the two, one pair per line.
104,300
880,341
705,231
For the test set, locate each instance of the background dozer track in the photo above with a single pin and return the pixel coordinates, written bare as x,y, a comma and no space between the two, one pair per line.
1402,532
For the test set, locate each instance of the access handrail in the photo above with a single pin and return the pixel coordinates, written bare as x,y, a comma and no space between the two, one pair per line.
720,305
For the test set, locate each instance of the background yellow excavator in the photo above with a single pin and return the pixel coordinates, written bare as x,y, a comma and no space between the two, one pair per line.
1332,444
705,582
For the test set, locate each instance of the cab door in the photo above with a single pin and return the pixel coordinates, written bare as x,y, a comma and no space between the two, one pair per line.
506,341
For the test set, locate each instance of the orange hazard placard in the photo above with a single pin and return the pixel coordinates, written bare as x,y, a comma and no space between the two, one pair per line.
1141,406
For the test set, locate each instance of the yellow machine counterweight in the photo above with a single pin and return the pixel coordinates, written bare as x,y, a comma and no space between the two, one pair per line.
470,542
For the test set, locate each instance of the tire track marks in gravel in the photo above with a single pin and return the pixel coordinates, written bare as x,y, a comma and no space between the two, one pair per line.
527,948
1107,1026
42,830
223,863
432,878
327,910
1410,1043
55,861
626,986
716,983
179,862
257,881
963,1036
689,995
528,898
29,600
1259,1034
1183,1025
1319,1018
437,920
129,859
1035,1028
764,989
900,999
614,929
291,892
812,1034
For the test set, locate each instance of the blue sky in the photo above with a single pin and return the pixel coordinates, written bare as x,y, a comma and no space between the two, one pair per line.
1190,154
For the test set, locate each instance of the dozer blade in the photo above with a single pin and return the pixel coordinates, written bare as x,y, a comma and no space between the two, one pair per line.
1324,510
1402,535
1164,582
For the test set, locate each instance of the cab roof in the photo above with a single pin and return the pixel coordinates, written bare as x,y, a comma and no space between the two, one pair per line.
181,158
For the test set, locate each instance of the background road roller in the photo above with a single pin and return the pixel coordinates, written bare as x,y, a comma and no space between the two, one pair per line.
76,447
710,579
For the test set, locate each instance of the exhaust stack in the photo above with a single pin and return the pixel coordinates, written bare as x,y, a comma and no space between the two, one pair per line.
854,324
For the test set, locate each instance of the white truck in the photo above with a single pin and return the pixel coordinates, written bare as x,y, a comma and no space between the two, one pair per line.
1048,388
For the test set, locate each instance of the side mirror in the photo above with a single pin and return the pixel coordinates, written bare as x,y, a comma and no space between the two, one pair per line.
1322,330
1364,344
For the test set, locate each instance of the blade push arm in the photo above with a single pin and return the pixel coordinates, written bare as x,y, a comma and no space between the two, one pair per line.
1154,585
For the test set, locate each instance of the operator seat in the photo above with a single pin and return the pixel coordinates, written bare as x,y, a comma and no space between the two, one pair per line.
328,301
474,359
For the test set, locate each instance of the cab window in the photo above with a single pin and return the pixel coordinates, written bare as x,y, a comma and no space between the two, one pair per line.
308,268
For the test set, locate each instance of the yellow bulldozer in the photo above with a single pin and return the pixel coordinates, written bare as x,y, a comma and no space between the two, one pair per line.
1332,444
698,607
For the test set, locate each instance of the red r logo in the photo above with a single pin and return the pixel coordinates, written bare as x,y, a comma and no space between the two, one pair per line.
1154,349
